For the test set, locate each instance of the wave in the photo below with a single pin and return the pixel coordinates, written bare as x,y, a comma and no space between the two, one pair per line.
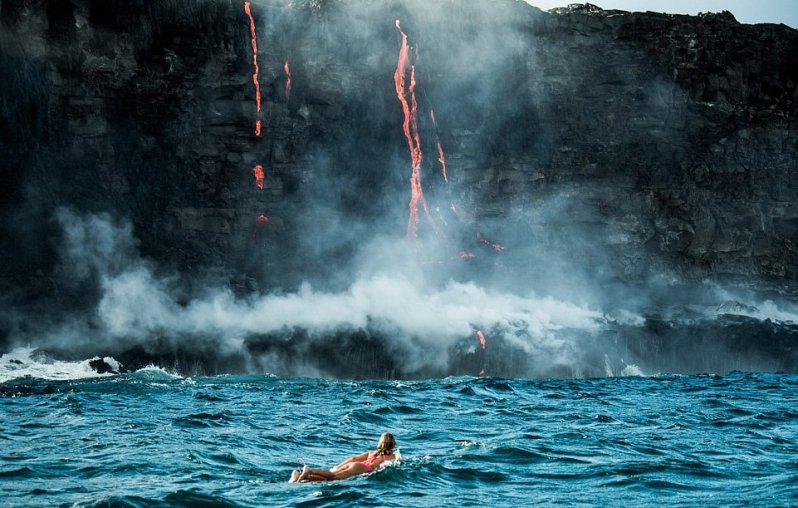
152,371
720,344
30,362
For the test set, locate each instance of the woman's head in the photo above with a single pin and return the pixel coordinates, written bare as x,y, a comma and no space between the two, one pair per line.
387,444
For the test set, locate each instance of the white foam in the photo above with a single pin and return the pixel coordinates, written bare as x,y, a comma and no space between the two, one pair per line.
158,371
632,370
27,362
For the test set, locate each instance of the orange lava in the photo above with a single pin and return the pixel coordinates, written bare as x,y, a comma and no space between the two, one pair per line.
441,156
495,246
481,337
254,38
260,177
262,219
257,128
410,128
442,160
287,71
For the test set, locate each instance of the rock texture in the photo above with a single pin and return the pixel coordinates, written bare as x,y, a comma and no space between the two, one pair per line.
672,138
669,139
589,143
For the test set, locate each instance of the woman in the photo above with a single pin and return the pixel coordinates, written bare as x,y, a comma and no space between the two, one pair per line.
353,466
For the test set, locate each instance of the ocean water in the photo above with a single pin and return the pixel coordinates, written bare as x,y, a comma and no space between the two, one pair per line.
154,439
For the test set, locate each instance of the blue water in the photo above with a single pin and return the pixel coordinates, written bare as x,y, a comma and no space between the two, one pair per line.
151,439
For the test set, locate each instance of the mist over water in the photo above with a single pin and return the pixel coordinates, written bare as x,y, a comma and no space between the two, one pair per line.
424,322
391,294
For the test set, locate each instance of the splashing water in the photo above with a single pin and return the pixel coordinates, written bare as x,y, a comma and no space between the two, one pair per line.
150,438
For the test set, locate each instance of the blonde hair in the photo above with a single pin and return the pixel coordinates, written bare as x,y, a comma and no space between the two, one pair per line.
386,444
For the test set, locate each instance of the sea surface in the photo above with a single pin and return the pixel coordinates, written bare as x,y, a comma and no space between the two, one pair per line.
155,439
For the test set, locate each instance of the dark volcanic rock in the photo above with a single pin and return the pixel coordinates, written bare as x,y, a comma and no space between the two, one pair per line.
101,366
671,139
586,143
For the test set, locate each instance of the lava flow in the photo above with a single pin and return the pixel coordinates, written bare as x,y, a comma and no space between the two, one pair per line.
254,39
441,156
410,128
482,342
260,223
496,246
287,71
260,177
442,160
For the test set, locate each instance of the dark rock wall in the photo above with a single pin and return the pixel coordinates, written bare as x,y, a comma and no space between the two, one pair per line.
638,144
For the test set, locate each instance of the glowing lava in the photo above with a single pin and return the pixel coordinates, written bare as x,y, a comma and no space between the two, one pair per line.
441,156
407,98
442,160
260,177
287,71
481,337
254,39
496,246
482,342
262,219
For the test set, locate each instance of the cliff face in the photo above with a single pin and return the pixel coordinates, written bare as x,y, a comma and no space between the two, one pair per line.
638,143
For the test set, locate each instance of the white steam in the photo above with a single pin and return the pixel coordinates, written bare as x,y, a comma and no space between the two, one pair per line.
422,319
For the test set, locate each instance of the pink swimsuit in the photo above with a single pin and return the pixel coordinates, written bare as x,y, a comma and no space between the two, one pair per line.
368,463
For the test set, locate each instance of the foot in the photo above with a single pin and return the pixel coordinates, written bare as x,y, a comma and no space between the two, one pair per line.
304,474
295,476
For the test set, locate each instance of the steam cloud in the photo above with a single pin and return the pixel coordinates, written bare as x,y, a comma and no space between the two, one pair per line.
423,320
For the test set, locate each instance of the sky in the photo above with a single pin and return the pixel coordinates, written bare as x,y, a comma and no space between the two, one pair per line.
746,11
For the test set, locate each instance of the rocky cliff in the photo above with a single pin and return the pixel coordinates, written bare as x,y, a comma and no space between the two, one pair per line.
672,137
579,143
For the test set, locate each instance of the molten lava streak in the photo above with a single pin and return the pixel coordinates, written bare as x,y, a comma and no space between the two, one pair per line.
481,337
260,177
496,246
442,160
441,156
407,98
254,39
287,71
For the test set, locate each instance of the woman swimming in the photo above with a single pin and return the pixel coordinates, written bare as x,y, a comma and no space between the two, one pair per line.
353,466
